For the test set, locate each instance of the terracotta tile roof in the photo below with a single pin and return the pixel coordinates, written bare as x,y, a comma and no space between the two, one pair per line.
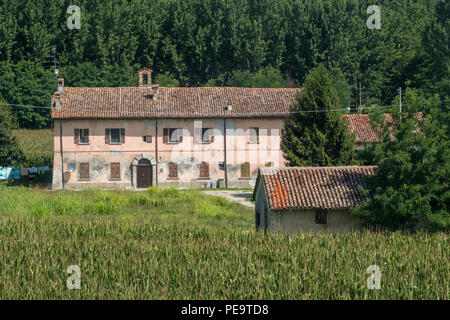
190,102
359,124
314,187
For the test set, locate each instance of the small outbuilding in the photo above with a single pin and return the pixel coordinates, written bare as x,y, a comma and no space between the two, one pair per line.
309,199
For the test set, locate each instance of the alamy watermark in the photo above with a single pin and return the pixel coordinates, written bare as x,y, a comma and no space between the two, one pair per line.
374,281
74,281
374,21
74,21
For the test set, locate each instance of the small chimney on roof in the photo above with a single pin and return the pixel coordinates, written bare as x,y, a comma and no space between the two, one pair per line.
229,106
60,85
145,77
145,81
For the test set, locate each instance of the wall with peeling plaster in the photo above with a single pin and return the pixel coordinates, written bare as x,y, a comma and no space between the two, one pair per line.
188,154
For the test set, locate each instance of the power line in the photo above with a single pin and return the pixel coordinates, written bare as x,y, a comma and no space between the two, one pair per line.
190,114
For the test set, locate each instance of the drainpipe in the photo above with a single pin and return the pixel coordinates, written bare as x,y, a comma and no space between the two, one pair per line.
156,150
61,151
225,151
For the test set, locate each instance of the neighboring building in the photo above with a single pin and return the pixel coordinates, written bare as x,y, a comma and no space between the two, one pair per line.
135,137
309,199
359,125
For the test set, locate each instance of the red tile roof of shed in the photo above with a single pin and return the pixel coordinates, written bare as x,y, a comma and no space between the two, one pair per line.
314,187
180,102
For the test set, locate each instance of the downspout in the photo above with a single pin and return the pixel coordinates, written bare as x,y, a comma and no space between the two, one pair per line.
225,151
156,150
61,151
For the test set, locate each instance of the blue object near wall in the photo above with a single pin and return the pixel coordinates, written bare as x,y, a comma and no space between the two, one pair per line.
9,173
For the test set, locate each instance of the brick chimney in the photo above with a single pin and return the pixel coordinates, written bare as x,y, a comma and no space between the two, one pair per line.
145,77
60,85
145,81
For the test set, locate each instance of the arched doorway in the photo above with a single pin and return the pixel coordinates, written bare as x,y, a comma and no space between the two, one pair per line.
144,173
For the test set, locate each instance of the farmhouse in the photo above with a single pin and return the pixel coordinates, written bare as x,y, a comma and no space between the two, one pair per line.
136,137
309,199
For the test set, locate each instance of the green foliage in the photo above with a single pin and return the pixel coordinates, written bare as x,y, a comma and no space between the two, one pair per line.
87,74
235,42
166,80
10,153
264,78
410,189
27,83
342,88
317,138
37,146
435,62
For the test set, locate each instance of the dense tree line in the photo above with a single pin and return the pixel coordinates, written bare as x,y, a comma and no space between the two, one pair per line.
221,42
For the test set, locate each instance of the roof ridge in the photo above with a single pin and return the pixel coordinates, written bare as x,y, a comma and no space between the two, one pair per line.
312,167
200,87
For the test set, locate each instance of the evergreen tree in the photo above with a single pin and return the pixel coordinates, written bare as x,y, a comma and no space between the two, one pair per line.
410,188
10,153
314,135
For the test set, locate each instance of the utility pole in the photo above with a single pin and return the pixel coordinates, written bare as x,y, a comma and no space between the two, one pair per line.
360,97
400,104
55,70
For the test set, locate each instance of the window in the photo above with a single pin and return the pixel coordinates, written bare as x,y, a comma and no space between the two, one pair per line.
204,170
221,165
245,170
172,135
254,135
207,136
147,139
81,136
145,78
115,170
269,164
321,216
84,171
173,170
115,136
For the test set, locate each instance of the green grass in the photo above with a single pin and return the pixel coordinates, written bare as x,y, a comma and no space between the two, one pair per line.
182,244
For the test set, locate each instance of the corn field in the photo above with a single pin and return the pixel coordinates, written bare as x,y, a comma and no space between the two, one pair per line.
37,145
149,252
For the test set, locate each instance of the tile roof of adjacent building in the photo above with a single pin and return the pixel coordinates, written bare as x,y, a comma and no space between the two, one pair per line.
314,187
359,124
180,102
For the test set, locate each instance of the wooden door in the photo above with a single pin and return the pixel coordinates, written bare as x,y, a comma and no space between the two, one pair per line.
144,176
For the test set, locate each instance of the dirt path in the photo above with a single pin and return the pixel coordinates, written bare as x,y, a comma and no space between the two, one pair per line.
235,196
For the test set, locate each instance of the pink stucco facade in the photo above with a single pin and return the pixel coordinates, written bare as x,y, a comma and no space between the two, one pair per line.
187,154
